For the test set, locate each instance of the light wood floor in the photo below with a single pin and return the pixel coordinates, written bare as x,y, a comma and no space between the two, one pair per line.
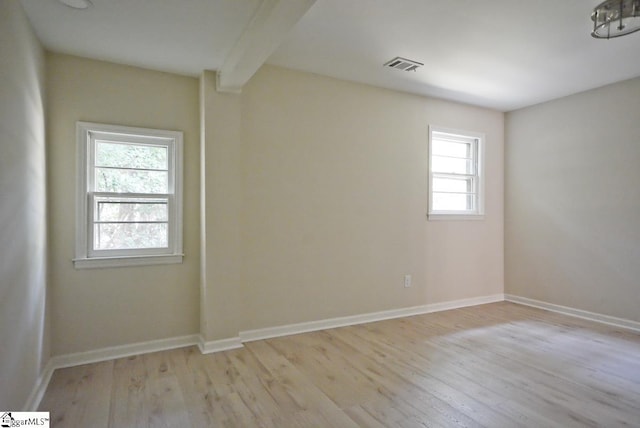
497,365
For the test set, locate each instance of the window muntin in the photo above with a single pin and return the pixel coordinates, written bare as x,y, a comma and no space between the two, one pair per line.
455,179
128,167
130,223
129,197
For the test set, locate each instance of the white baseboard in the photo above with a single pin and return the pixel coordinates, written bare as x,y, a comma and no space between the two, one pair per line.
104,354
219,345
40,388
113,352
110,353
578,313
463,303
305,327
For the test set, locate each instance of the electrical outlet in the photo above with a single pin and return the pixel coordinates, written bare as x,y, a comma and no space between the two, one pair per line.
407,281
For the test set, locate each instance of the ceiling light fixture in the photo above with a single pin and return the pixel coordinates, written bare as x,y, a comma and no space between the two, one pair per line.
615,18
77,4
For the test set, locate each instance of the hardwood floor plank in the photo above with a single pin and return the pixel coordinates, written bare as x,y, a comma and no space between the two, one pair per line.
129,406
390,385
194,383
529,363
494,365
363,418
80,395
532,390
440,365
166,401
330,371
304,393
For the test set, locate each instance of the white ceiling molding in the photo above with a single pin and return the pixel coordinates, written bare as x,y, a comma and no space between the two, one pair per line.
267,29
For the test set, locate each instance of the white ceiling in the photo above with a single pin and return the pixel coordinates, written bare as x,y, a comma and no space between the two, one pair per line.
180,36
502,54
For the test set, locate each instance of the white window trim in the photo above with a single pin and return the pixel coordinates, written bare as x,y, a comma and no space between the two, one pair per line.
84,259
459,215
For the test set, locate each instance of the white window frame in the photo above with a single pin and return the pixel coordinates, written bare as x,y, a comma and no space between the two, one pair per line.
478,142
86,255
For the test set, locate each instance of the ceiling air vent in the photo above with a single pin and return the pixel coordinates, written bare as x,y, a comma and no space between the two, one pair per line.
403,64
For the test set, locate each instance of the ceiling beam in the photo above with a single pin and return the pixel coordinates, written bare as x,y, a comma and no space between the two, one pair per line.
266,30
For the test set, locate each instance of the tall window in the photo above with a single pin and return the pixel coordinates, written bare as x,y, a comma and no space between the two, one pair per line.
129,198
456,188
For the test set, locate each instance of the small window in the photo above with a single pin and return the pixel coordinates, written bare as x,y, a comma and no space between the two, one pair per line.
455,174
129,197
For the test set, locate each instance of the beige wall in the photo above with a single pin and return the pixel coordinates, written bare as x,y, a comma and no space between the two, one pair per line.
333,210
573,201
313,205
24,332
96,308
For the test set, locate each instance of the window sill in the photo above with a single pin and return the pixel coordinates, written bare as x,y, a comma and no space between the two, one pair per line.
455,217
110,262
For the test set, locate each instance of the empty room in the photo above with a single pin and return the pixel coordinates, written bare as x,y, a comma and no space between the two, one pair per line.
319,213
